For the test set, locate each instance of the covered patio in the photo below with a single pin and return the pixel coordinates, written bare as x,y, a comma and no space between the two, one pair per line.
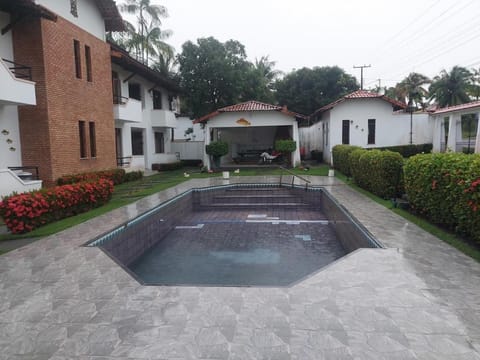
251,129
456,128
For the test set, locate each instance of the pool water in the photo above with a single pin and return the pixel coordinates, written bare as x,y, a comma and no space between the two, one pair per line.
241,248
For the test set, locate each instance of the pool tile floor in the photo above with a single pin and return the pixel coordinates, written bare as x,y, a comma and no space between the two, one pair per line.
417,299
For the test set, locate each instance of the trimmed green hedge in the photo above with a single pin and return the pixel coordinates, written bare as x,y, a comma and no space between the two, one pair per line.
379,172
167,167
341,162
118,176
445,188
409,150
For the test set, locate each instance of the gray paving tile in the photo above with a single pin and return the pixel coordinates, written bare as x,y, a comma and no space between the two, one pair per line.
417,299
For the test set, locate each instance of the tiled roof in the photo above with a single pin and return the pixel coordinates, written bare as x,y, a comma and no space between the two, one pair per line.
121,57
460,107
361,94
111,15
108,9
251,105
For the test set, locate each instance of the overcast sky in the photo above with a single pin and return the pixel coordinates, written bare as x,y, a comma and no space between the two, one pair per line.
395,37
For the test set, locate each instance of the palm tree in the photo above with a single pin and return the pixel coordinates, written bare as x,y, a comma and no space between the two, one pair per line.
411,90
450,88
266,70
148,25
474,88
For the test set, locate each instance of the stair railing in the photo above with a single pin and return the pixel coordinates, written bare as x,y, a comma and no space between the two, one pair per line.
293,177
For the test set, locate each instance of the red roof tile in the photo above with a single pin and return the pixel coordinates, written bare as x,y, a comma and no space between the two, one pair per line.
460,107
360,94
249,106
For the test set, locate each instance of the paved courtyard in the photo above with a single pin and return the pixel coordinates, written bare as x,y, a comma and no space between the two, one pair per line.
417,299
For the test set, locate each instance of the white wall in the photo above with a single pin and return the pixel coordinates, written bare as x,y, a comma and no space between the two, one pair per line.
10,147
183,123
144,121
6,46
89,17
10,183
189,150
311,138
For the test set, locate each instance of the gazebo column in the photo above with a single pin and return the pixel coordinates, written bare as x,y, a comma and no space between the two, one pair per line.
295,136
452,132
437,134
206,157
477,141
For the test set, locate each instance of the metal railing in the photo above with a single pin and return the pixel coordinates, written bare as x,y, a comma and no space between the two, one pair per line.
124,161
18,70
293,177
26,172
120,100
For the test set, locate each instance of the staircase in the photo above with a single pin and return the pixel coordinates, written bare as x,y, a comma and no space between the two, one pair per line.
252,198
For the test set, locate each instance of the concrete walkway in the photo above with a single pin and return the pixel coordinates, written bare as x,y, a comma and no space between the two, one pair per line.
417,299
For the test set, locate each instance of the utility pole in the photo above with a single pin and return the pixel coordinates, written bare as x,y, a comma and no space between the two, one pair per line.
361,67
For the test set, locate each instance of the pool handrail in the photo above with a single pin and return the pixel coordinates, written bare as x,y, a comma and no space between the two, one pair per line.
293,177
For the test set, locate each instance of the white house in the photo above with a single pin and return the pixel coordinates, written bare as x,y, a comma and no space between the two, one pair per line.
250,128
145,108
456,128
369,120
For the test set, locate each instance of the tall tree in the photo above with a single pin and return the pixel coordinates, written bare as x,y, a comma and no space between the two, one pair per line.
145,39
474,87
411,90
305,90
450,88
216,74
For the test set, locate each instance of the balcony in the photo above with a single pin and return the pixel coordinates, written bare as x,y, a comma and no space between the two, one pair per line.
17,87
127,109
163,118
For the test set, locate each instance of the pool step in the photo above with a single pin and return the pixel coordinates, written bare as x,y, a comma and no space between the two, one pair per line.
255,205
254,198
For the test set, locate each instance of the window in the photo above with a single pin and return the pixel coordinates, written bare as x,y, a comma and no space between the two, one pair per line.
446,125
93,141
83,139
346,132
78,63
172,101
157,99
371,131
469,126
116,88
137,142
159,143
88,62
134,91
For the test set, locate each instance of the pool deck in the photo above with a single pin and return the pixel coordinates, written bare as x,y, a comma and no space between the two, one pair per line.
417,299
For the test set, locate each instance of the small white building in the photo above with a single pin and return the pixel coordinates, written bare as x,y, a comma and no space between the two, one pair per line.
456,128
145,108
369,120
250,128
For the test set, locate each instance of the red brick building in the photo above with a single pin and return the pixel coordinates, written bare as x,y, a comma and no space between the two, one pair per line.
71,127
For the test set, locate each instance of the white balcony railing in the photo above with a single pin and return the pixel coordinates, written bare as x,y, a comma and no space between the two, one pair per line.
128,110
16,88
163,118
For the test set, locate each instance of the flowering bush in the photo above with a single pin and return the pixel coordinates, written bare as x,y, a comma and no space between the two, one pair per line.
445,188
25,212
115,175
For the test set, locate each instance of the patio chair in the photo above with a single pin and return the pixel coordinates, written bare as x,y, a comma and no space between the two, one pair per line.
266,157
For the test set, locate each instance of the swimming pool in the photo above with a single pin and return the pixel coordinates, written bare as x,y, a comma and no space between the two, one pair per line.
236,235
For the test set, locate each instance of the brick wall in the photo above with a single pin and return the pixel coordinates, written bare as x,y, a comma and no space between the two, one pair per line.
49,131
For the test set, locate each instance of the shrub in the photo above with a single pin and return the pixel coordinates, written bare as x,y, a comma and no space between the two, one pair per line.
445,188
409,150
115,175
377,171
133,175
285,146
25,212
217,149
340,154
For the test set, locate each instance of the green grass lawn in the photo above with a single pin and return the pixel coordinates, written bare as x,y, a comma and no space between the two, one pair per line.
132,191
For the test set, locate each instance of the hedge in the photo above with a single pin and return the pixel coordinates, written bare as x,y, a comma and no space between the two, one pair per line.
445,188
379,172
409,150
27,211
118,176
168,166
340,154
